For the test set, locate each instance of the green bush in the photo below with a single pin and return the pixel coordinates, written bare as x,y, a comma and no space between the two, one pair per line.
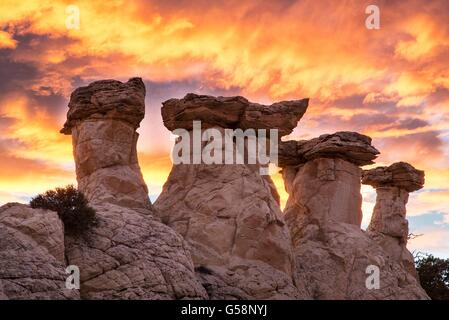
434,276
71,206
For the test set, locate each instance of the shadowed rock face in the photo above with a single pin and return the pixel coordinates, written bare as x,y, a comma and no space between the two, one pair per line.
32,262
130,255
229,214
323,213
232,112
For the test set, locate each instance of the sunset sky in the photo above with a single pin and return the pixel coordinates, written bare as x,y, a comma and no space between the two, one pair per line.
391,84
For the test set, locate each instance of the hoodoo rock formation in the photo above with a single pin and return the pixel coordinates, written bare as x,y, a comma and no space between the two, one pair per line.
323,176
102,119
323,212
130,255
32,262
230,214
389,225
216,231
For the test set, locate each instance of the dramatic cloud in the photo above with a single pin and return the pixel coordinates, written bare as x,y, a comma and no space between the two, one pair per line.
391,83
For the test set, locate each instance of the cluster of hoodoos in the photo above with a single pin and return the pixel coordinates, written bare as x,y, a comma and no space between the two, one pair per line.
217,230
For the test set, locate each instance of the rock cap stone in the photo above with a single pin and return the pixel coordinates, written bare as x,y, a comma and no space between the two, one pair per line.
232,112
401,174
107,99
350,146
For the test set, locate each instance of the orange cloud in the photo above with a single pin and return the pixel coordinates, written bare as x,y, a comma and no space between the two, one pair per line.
34,157
37,129
6,41
392,83
426,38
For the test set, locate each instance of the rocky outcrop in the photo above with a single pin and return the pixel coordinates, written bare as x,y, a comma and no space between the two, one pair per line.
107,99
392,185
389,226
352,147
337,259
216,231
102,120
389,213
322,177
230,214
232,112
32,264
400,175
130,254
332,254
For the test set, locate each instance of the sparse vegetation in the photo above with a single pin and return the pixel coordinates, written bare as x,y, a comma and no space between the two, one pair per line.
71,206
434,275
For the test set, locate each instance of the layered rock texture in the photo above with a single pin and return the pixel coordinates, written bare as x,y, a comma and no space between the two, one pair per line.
130,255
389,225
217,230
232,112
230,214
399,175
323,177
332,254
349,146
32,262
102,120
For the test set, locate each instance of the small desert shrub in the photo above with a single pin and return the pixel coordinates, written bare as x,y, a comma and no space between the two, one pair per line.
71,206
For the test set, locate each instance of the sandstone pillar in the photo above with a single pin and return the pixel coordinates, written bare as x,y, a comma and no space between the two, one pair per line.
322,176
130,254
332,254
229,213
102,119
389,225
393,185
